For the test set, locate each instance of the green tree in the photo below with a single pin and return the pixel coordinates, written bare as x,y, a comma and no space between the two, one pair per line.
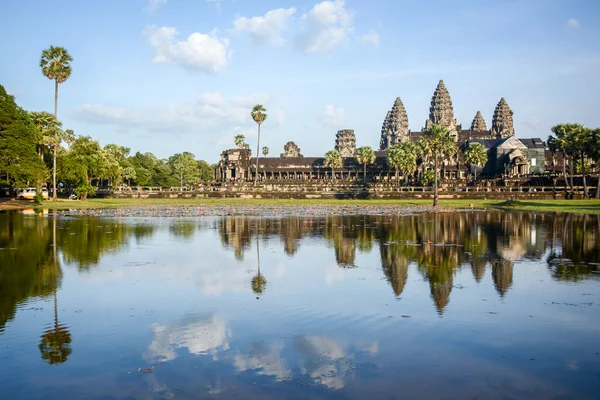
259,115
19,163
55,63
49,130
239,140
129,173
436,143
265,151
185,167
204,171
365,155
595,155
81,164
403,157
579,139
333,159
475,156
560,144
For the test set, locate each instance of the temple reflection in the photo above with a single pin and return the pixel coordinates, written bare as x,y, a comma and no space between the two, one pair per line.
435,246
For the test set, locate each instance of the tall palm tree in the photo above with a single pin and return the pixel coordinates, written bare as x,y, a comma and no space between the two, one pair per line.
265,151
56,64
333,159
407,159
259,115
475,156
239,141
436,143
365,155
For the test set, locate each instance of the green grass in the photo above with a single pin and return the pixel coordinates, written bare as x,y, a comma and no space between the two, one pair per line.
570,206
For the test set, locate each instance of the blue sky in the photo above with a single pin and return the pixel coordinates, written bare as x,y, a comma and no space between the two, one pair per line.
168,76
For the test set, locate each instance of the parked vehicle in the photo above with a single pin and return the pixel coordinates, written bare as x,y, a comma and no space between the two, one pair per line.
29,193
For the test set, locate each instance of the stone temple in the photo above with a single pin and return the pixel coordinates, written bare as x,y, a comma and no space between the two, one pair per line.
508,156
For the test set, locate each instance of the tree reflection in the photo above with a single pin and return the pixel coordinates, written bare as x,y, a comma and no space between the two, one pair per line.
55,344
259,282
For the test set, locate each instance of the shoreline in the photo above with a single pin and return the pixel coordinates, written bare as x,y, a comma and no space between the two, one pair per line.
555,206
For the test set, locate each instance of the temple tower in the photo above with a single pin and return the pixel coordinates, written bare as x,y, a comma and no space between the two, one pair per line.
345,142
502,124
441,111
395,126
478,124
291,150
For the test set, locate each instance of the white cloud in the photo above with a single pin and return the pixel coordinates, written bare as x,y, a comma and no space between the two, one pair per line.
371,39
573,23
325,27
265,359
200,51
154,5
266,29
334,117
279,117
210,114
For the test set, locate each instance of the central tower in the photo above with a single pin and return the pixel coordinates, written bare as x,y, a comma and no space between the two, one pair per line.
441,111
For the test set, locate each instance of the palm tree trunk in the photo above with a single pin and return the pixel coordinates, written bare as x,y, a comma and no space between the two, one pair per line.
55,144
585,189
571,172
598,187
257,155
435,182
564,160
365,173
475,173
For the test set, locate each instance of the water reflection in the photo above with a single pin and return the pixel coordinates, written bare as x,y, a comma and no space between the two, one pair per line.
176,297
437,244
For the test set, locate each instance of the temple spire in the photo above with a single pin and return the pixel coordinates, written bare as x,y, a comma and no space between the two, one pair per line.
478,124
441,111
395,126
502,124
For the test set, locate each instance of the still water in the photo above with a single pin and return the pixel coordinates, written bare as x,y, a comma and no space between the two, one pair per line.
456,306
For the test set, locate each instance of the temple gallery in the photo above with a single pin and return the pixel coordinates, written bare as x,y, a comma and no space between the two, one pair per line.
507,155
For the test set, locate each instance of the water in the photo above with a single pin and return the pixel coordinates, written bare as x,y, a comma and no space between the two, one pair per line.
455,306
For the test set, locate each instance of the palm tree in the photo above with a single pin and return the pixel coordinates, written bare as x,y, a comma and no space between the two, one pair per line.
434,143
475,156
265,151
259,115
393,158
365,155
56,64
580,141
239,140
48,128
333,159
595,155
407,159
259,282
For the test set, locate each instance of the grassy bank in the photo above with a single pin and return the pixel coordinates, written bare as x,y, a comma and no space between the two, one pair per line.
571,206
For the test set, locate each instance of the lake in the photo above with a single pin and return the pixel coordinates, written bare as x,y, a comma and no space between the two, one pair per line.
454,305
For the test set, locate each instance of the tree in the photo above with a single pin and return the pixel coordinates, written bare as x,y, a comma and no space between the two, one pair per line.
185,167
19,162
333,159
403,157
579,139
560,144
595,155
56,64
205,173
475,156
81,164
436,143
239,140
49,130
365,155
265,151
129,173
259,115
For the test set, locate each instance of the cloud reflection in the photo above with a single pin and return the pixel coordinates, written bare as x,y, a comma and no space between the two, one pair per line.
205,335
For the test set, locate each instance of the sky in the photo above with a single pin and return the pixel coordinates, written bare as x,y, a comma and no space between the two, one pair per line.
167,76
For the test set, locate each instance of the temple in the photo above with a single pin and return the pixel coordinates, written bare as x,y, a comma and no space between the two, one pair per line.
508,156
